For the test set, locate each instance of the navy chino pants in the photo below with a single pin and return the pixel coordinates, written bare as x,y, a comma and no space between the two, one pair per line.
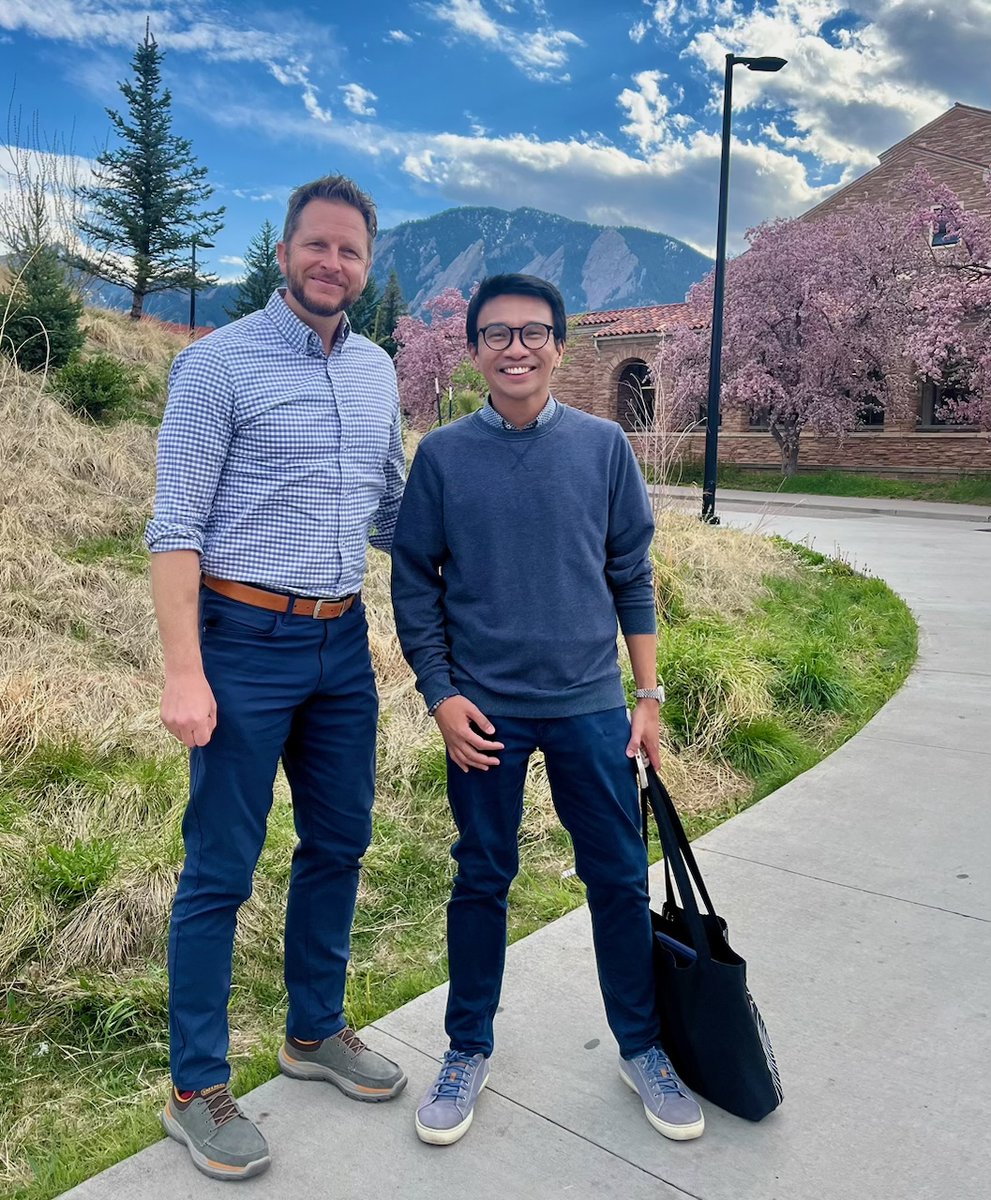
300,690
595,795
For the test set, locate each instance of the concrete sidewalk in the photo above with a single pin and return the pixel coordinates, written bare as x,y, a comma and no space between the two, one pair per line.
801,505
860,894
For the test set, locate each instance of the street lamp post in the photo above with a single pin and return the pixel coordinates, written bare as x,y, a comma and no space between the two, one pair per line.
716,347
192,282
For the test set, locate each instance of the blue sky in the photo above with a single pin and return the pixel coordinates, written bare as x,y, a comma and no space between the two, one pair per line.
602,110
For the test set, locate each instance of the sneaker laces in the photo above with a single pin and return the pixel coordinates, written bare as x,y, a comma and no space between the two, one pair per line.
352,1041
454,1076
660,1075
221,1104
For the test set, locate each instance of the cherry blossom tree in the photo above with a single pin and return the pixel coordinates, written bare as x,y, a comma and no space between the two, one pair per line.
430,354
815,318
949,338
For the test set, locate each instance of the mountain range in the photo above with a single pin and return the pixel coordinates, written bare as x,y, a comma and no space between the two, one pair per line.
595,266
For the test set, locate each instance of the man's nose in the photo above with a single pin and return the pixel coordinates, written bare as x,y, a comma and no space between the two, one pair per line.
330,258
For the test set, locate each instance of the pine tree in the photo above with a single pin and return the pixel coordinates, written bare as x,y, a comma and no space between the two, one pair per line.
145,208
363,312
263,274
391,307
39,317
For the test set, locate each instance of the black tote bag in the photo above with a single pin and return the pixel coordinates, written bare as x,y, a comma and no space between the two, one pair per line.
711,1028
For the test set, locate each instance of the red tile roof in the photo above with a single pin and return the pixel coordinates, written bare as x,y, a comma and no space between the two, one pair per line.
617,322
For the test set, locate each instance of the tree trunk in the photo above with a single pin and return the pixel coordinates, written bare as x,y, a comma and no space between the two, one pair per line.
788,440
137,303
789,459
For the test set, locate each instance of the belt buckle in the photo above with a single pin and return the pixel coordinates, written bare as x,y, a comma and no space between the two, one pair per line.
320,603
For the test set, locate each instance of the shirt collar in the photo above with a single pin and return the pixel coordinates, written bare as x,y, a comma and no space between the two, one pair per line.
491,417
297,333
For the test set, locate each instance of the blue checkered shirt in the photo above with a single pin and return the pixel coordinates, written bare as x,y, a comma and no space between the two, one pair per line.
277,462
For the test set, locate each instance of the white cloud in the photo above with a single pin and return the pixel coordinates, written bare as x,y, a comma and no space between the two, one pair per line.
358,99
283,43
673,192
397,35
299,74
851,95
541,54
647,108
475,125
231,260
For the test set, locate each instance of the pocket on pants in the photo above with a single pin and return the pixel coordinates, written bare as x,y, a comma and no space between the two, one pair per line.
218,613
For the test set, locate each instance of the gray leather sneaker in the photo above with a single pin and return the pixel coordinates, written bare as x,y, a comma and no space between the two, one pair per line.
669,1105
221,1140
447,1110
345,1061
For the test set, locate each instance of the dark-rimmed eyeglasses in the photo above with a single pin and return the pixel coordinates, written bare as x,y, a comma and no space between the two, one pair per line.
534,335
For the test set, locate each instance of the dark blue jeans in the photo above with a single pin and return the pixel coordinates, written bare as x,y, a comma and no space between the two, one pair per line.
302,690
595,795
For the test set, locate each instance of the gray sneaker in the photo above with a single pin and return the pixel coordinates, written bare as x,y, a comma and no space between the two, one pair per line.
345,1061
446,1111
669,1106
223,1143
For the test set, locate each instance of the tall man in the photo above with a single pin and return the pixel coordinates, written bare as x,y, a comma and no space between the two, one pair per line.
280,457
523,538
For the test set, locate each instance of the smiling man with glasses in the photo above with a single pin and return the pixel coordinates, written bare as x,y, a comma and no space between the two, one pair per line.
522,543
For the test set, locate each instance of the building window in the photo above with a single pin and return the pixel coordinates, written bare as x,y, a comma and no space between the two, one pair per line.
871,416
635,397
933,398
760,419
940,236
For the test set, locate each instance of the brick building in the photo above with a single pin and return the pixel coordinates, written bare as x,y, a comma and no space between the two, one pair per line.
605,369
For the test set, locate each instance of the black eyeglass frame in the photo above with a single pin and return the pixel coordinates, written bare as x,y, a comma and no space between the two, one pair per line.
515,330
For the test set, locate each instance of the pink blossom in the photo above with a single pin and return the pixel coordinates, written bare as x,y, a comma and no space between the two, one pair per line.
430,351
819,313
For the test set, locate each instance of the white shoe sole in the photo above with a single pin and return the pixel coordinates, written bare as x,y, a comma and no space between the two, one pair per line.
447,1137
677,1133
216,1170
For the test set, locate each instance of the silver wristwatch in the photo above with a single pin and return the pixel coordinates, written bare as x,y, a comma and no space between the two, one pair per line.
654,693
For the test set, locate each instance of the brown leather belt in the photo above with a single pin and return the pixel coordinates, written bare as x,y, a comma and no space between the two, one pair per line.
323,610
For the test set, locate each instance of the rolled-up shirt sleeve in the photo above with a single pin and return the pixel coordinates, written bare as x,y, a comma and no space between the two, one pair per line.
192,447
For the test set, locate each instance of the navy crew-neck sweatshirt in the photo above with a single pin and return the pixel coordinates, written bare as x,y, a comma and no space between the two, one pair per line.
515,554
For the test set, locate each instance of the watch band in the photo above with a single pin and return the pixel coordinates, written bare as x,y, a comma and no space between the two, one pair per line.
654,693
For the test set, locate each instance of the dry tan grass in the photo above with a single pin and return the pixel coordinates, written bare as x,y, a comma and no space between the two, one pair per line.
143,343
77,659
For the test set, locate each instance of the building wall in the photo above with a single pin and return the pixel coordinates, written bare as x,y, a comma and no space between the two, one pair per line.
588,378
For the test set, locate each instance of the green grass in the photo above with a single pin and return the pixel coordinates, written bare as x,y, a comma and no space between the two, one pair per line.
967,489
125,550
83,1054
774,692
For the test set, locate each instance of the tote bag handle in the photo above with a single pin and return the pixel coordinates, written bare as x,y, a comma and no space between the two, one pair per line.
678,857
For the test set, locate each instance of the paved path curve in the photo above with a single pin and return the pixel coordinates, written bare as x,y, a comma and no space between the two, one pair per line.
861,895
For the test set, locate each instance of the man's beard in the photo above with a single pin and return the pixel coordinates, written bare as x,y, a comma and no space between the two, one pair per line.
296,285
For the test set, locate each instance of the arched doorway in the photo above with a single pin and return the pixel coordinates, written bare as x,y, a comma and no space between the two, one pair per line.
635,396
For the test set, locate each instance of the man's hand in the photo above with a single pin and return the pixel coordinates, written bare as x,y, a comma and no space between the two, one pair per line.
189,710
466,748
645,732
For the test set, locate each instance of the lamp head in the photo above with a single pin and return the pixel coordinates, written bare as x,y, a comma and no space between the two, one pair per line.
765,63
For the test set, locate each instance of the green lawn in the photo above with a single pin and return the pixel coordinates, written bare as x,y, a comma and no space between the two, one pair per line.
967,489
